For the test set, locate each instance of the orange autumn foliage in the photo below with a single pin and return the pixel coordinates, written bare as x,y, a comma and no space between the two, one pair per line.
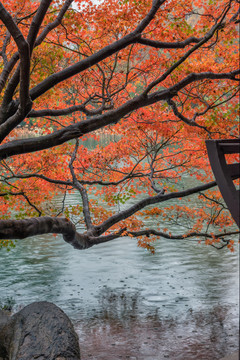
156,144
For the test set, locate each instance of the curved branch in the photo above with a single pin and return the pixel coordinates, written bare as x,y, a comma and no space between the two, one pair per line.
64,112
102,239
31,204
23,48
168,45
149,232
20,229
146,21
7,70
25,102
53,181
37,21
12,193
4,47
190,122
111,117
122,215
130,175
53,24
232,75
82,190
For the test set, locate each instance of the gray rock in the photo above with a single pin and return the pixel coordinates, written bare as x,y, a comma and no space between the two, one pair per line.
4,318
39,331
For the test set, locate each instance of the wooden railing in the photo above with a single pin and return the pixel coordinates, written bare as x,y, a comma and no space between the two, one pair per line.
225,173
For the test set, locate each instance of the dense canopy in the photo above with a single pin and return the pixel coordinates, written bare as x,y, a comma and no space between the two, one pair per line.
113,101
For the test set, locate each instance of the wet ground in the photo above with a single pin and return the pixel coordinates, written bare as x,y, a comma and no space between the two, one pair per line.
201,336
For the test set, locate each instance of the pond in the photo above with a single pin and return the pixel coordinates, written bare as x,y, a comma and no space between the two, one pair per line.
181,303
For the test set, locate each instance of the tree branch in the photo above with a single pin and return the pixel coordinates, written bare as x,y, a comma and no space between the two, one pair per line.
82,190
53,24
23,48
202,41
25,102
168,45
66,111
95,58
149,232
111,117
122,215
37,21
20,229
190,122
9,67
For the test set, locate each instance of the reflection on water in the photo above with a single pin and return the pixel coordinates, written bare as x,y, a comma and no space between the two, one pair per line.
181,303
198,335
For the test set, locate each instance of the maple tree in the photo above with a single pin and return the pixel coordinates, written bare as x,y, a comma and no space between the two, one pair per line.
114,101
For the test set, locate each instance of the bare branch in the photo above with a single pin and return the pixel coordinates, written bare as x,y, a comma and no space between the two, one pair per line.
168,45
81,189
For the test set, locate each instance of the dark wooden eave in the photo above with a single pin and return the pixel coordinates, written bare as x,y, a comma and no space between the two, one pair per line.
225,173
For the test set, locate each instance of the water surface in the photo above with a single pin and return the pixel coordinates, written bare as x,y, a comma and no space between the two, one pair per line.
181,303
